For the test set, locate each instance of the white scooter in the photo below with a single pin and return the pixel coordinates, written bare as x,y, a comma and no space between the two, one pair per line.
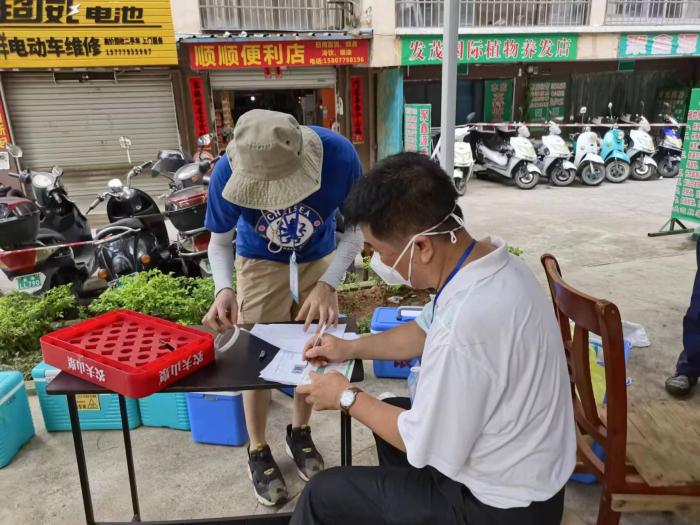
464,160
590,166
640,148
514,159
553,157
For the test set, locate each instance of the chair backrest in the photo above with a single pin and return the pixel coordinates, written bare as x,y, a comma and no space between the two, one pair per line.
578,314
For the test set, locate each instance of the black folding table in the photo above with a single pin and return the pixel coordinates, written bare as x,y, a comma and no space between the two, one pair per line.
236,369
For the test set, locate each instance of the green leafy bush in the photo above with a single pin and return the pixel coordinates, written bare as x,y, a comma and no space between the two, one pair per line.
25,318
183,300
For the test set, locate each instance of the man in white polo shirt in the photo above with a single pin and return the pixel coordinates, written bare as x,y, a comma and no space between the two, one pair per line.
489,438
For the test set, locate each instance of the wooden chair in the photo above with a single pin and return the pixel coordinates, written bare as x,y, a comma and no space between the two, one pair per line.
624,488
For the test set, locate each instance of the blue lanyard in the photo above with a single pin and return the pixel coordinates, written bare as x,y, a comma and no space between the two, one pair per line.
454,271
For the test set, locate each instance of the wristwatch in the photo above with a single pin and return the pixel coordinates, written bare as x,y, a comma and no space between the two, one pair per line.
348,398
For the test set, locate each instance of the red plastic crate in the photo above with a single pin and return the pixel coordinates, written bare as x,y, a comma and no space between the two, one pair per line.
122,351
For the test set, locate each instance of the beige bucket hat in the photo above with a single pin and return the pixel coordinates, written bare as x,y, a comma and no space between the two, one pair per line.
276,162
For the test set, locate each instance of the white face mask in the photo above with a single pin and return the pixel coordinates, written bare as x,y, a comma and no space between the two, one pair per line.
390,275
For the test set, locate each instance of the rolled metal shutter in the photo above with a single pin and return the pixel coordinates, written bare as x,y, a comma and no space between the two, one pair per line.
292,78
77,125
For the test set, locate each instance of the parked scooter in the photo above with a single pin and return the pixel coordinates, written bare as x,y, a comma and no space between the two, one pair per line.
58,212
463,158
35,259
612,149
588,163
640,147
553,157
132,210
186,207
507,155
670,147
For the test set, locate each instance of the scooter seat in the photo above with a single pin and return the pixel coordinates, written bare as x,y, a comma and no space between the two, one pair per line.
48,237
134,224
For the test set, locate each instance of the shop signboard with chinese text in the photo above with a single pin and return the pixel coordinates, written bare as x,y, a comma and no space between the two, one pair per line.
267,54
640,45
416,128
199,108
86,33
357,113
546,100
686,203
498,100
483,49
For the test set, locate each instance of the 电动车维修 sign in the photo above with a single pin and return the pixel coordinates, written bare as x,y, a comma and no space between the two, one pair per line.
85,33
640,45
686,203
416,128
428,50
302,53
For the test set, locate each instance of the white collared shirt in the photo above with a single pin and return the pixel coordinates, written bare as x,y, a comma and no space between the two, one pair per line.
493,406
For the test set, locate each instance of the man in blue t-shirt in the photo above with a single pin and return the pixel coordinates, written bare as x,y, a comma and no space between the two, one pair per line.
279,190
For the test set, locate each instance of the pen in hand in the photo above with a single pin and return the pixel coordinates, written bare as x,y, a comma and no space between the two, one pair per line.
319,337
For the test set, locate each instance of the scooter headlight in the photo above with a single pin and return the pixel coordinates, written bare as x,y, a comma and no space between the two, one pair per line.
41,181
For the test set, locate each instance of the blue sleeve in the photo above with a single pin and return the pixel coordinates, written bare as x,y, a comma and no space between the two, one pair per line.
222,215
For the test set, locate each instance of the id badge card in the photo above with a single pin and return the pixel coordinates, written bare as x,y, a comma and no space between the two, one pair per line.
294,277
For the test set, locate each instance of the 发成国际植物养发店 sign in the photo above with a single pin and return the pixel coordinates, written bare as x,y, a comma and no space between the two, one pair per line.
485,49
85,33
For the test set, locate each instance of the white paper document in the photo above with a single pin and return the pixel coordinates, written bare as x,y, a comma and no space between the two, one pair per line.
288,367
292,336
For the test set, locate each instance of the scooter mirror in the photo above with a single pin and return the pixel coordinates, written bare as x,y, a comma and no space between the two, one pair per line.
115,186
124,142
471,117
583,110
14,150
204,140
609,105
57,171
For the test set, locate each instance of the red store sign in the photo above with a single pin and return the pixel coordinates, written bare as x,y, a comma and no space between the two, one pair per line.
270,54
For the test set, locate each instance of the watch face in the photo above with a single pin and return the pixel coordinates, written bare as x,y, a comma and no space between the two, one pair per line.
346,398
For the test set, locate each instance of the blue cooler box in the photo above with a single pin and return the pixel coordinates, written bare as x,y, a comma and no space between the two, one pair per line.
383,319
16,427
96,411
217,418
165,410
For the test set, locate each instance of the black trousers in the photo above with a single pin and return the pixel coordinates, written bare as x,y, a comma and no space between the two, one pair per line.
397,493
689,361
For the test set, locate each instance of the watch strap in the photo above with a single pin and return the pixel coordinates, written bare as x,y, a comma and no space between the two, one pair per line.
356,391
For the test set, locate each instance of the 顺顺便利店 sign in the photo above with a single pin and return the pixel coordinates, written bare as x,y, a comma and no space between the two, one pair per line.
428,50
85,33
279,54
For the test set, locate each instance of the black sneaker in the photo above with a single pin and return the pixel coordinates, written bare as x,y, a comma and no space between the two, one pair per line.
301,448
680,385
267,479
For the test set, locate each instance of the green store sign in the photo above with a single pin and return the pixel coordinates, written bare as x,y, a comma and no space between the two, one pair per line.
641,45
428,50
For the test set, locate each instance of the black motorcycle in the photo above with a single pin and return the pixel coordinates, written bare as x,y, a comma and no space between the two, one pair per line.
136,238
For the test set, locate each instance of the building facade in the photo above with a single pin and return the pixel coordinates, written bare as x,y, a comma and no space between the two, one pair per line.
535,60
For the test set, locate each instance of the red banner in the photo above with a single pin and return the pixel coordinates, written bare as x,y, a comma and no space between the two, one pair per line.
357,112
4,129
303,53
199,108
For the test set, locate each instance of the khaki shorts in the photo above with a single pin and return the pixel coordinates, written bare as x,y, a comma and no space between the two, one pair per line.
262,288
